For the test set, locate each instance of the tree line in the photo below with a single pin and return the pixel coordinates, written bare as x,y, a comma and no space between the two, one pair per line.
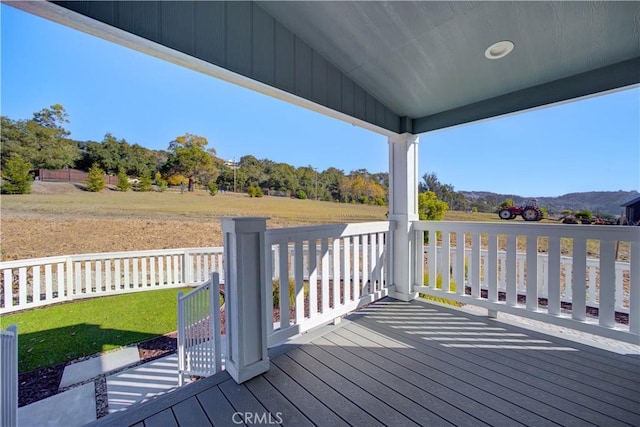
43,142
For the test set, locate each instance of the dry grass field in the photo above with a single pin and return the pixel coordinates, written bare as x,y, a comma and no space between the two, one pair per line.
60,219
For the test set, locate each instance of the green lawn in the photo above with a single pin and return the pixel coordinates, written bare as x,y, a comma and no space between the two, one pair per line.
64,332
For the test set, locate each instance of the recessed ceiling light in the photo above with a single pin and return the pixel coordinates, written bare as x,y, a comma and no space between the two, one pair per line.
499,50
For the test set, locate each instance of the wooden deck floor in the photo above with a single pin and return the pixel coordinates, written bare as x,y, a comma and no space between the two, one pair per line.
414,363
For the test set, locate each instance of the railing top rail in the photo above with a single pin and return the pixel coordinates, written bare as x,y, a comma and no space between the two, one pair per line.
599,232
324,231
106,255
192,294
33,261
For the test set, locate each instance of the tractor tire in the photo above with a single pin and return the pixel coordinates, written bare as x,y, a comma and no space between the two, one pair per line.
505,214
531,214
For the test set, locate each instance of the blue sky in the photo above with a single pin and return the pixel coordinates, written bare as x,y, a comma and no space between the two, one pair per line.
590,145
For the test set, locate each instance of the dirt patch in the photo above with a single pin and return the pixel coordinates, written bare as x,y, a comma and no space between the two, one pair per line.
24,238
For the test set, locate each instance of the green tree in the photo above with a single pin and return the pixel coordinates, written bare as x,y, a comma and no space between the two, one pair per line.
15,176
96,180
188,157
123,181
329,183
430,208
145,181
113,154
41,141
444,192
254,170
282,177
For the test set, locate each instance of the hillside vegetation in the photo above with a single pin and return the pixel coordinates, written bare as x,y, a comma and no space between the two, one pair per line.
598,202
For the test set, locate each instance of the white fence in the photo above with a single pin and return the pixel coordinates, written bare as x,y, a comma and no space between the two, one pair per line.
580,279
9,375
199,337
332,270
42,281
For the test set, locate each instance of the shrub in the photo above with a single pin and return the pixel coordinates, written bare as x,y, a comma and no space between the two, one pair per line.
439,286
16,178
507,203
177,179
545,212
292,292
474,209
161,184
213,188
584,214
254,191
95,180
145,182
123,181
430,207
300,194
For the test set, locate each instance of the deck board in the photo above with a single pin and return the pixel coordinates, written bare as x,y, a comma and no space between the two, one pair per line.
163,418
278,406
359,392
344,408
307,403
486,370
392,389
466,383
241,399
396,363
431,395
216,406
190,413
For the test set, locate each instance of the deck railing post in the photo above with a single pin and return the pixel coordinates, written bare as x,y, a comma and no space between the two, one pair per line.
245,293
403,210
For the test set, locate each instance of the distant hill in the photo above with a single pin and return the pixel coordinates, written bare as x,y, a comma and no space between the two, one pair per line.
594,201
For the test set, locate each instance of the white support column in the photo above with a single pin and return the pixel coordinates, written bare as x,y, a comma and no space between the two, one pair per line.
245,297
403,209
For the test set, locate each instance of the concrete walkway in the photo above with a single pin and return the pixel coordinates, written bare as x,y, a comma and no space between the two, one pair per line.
126,387
141,383
73,408
91,368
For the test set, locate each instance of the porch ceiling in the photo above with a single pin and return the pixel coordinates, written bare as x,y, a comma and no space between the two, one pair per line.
398,66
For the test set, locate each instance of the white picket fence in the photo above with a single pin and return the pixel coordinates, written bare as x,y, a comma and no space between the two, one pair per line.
43,281
9,376
605,284
199,337
333,270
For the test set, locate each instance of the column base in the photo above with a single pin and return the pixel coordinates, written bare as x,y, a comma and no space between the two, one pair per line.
403,296
245,373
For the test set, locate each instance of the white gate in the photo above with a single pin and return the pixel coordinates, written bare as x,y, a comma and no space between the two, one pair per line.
199,341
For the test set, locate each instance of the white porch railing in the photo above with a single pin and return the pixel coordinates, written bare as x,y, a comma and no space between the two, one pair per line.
199,336
42,281
9,375
566,266
332,270
578,279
